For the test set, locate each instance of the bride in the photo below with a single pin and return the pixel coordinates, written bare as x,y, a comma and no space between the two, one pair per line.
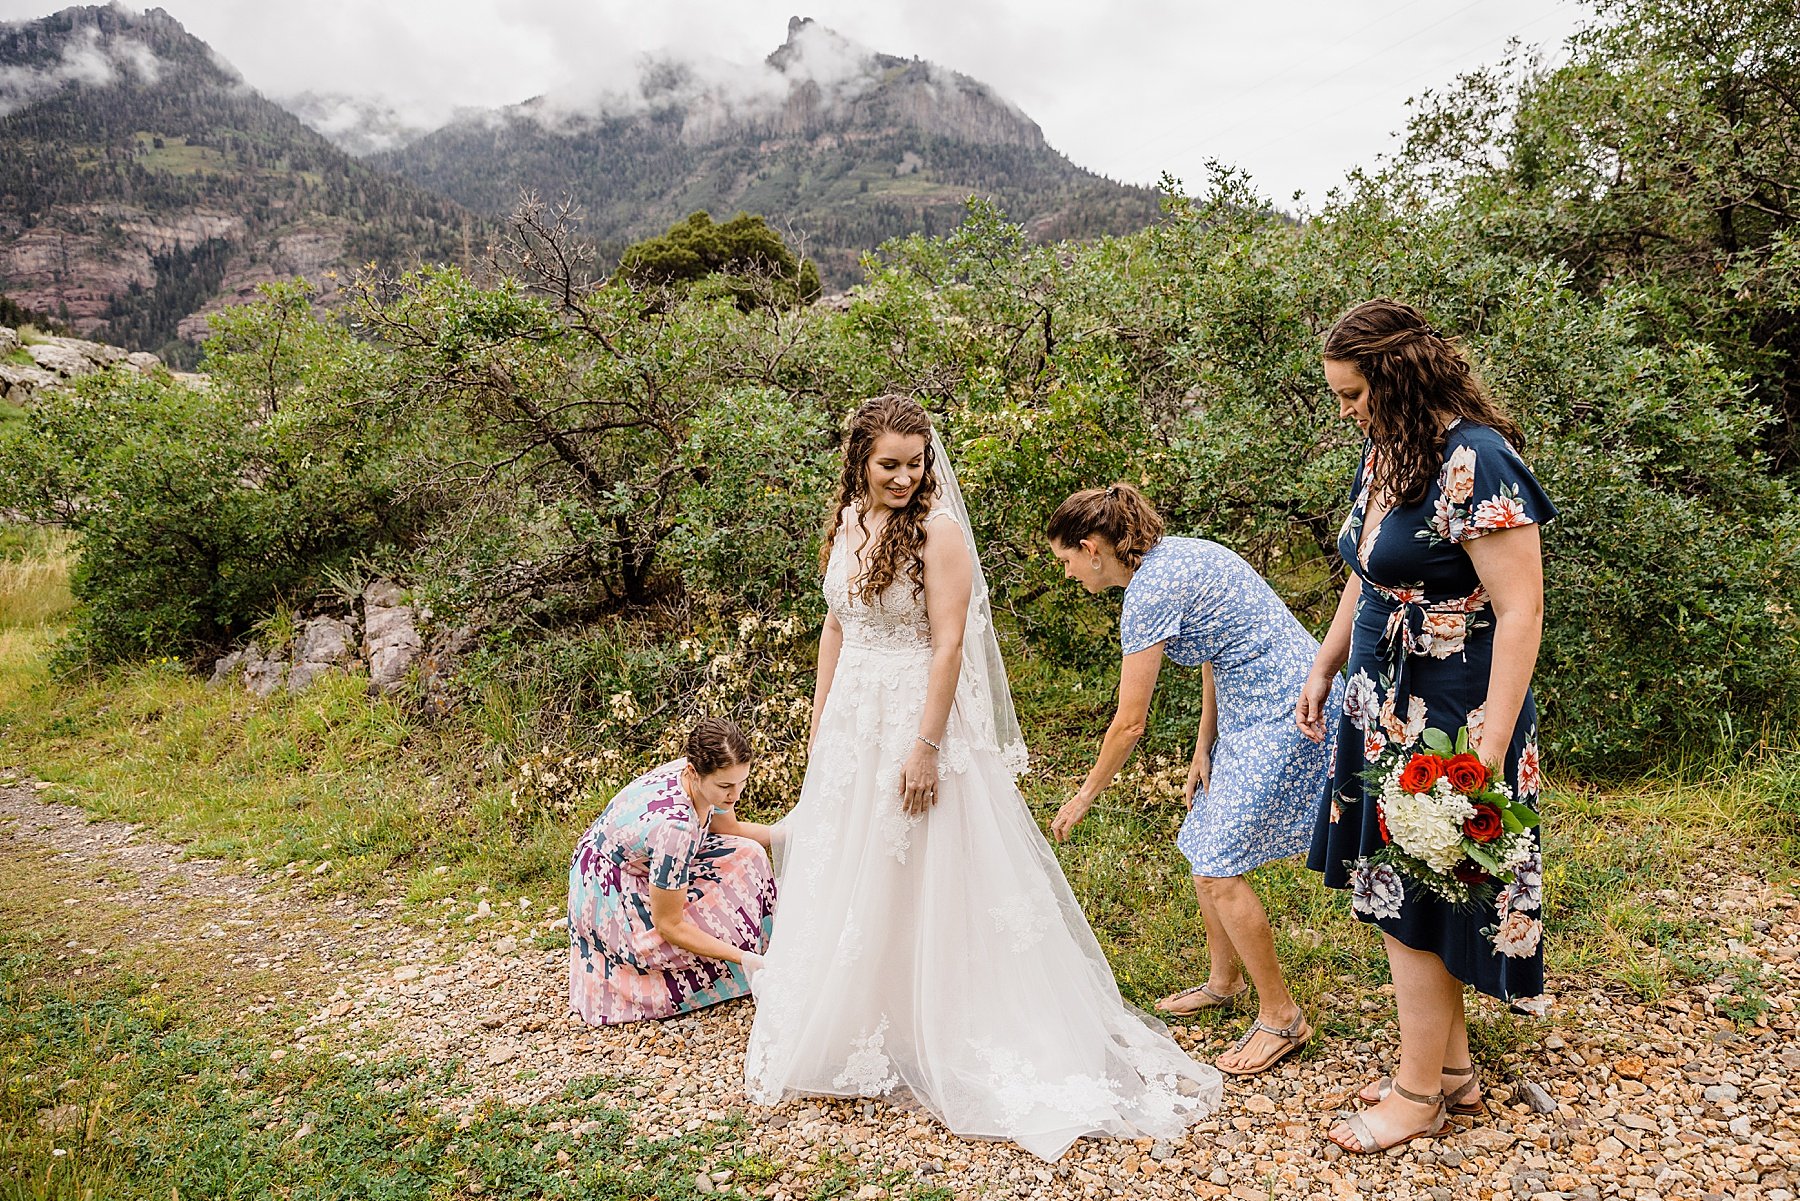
926,947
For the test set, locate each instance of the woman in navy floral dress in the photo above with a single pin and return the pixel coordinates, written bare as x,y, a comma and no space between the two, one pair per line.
1254,781
1439,628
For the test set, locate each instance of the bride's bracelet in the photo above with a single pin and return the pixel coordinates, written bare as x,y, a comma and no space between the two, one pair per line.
934,746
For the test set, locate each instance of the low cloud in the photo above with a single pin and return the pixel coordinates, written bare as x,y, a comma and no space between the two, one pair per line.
711,90
361,125
88,60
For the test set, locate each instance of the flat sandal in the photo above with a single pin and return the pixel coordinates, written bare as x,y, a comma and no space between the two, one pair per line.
1366,1142
1214,999
1453,1100
1290,1034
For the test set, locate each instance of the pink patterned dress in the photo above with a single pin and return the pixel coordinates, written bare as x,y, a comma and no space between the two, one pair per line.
620,968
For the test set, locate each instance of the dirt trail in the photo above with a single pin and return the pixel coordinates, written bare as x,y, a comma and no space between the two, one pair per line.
1673,1099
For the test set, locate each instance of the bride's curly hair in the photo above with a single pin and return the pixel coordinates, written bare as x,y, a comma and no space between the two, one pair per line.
901,544
1417,377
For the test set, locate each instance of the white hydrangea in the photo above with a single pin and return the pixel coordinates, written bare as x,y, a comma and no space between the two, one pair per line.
1427,826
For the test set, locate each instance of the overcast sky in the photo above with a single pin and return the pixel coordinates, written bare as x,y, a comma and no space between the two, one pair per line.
1297,92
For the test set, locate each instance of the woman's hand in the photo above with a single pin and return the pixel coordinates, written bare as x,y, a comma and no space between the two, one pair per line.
1309,710
752,963
919,778
1073,810
1199,776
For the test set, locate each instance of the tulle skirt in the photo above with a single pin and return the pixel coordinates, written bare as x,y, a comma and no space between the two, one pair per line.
942,960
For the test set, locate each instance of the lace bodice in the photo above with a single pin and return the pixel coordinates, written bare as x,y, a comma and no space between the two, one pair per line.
896,620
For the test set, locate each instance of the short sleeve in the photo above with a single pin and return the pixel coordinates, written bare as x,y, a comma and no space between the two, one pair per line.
1488,487
671,845
1152,613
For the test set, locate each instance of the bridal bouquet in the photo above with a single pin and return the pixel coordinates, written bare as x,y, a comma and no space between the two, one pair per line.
1450,827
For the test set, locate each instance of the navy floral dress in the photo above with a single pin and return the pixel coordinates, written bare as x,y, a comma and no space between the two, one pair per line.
1420,655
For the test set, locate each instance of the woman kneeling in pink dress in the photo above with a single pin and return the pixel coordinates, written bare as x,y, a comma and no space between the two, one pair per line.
670,896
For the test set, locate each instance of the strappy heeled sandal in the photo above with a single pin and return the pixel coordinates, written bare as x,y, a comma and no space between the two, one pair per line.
1290,1035
1211,999
1453,1100
1368,1144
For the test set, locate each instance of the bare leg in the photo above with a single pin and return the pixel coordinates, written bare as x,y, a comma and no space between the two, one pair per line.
1429,1000
1225,976
1456,1055
1241,913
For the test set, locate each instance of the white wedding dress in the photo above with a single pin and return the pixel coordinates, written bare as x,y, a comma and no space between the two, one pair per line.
941,959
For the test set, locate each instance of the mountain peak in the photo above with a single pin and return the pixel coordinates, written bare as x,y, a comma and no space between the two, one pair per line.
814,51
142,185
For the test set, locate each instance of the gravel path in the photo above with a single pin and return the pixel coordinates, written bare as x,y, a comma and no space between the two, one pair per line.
1670,1099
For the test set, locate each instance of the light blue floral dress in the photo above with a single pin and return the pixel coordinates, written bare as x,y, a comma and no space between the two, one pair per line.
1206,605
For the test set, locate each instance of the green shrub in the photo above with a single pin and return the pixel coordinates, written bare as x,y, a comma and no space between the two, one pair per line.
590,483
199,508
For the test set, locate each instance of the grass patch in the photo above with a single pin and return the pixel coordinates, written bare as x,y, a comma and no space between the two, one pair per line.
34,577
117,1092
328,775
177,157
394,800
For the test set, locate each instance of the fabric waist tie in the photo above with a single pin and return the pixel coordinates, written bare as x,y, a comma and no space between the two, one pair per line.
1405,633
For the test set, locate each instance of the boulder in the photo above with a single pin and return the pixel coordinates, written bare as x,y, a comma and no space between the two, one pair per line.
262,676
71,357
61,361
143,362
390,635
222,670
100,354
322,645
301,675
9,339
324,640
19,382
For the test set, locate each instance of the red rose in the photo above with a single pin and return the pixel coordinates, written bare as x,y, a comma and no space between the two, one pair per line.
1466,773
1381,823
1484,825
1469,873
1421,773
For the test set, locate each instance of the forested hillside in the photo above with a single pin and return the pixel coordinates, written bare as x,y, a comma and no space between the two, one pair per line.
143,184
840,164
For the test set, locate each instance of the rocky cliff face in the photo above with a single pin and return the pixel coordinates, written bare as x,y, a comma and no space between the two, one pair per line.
142,185
833,141
76,261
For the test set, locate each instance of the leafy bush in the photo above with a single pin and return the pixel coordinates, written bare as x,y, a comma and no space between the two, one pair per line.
198,508
746,259
591,479
1186,360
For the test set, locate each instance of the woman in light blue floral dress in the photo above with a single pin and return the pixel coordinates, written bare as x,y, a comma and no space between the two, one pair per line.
1254,781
